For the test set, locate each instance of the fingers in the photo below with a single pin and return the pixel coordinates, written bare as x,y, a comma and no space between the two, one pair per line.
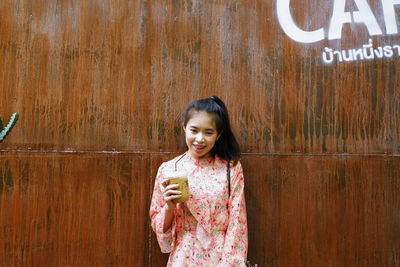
172,187
165,184
169,191
172,194
172,197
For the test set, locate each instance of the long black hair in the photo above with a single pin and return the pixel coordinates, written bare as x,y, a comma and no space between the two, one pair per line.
226,147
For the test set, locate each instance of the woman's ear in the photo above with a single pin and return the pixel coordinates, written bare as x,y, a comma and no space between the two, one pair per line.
184,128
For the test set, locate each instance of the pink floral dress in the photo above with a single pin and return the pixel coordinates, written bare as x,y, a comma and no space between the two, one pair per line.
208,229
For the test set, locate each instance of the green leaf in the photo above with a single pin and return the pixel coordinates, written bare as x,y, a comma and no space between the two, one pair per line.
9,126
1,125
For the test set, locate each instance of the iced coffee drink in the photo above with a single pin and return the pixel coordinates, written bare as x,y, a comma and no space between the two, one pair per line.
182,181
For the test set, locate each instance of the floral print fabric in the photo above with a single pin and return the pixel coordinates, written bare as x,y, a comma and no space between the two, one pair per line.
209,229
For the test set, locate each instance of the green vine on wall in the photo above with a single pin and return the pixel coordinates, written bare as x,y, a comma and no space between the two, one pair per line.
5,130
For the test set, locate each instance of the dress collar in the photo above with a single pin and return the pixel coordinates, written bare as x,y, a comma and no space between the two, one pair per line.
203,161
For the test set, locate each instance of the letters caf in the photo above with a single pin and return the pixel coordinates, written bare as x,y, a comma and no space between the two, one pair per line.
340,17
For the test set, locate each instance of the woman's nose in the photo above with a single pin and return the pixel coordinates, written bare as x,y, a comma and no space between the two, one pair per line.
200,138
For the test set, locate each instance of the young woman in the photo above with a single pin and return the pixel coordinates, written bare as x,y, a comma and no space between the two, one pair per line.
210,228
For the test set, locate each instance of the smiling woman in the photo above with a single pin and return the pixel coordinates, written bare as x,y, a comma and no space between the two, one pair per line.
210,228
200,134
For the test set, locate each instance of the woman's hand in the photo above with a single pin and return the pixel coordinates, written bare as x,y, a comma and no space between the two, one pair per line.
170,193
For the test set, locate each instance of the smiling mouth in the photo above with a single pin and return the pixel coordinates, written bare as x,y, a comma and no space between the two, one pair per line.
198,148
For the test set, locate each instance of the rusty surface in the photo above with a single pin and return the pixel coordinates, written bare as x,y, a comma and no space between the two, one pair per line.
74,210
93,209
100,87
84,73
318,211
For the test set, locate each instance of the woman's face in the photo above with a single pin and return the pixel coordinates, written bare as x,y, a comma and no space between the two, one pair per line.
200,134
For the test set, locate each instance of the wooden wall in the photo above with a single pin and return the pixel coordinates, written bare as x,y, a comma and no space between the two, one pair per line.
100,87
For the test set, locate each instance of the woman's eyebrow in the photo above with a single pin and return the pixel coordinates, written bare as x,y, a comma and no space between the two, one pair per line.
207,129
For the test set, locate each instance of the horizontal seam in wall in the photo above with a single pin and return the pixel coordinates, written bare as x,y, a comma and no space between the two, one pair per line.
246,154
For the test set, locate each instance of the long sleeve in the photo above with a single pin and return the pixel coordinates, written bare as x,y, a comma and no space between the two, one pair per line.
236,238
157,215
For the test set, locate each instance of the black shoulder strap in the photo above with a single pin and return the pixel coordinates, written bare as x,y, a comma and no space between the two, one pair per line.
229,178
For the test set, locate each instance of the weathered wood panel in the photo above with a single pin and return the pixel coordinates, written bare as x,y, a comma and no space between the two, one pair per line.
74,210
83,73
93,210
323,139
323,211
